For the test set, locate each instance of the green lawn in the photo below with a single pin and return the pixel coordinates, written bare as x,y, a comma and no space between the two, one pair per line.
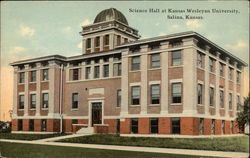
234,143
15,150
27,136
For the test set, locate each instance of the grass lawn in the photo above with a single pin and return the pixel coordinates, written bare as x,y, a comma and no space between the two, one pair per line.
16,150
18,136
234,143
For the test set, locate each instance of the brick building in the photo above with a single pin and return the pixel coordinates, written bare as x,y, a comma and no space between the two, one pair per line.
174,84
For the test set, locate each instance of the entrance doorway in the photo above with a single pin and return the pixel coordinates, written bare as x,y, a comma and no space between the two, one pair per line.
96,113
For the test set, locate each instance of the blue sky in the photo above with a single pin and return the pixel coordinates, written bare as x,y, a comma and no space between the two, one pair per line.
32,29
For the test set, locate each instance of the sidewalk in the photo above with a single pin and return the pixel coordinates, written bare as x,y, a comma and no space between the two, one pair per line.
61,137
139,149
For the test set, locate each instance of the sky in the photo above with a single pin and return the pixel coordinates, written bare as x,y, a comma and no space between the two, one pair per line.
33,28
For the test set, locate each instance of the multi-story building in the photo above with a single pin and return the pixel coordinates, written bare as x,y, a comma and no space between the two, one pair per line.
174,84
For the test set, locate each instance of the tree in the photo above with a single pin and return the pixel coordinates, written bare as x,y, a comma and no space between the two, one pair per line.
243,116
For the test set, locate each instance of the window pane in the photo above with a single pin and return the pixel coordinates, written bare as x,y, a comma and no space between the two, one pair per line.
175,125
155,60
155,94
136,63
134,125
176,58
154,125
135,95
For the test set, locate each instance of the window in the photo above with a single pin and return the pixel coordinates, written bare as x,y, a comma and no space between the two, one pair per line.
153,125
176,58
97,72
211,96
74,121
199,60
230,74
106,40
213,127
238,103
97,41
21,77
175,125
75,74
211,65
45,74
176,92
125,40
21,101
155,60
31,125
221,99
74,100
238,77
119,98
43,125
87,72
117,125
221,67
201,127
223,127
118,40
136,63
134,125
45,101
88,43
135,95
230,100
231,127
155,94
20,125
105,70
32,76
32,101
199,91
117,69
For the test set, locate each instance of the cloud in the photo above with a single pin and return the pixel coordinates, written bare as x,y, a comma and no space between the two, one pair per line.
16,50
237,47
175,26
86,22
26,30
79,45
162,34
67,29
193,24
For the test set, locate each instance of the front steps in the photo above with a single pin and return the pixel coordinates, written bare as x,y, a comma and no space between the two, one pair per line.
87,130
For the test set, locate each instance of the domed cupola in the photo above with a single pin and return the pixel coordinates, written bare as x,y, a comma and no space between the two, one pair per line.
110,14
109,30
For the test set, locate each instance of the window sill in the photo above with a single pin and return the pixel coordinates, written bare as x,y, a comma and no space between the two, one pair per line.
44,108
212,73
175,66
173,104
118,107
134,105
33,109
154,105
200,104
222,108
201,68
45,81
21,83
33,82
158,68
134,70
211,106
20,109
74,109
